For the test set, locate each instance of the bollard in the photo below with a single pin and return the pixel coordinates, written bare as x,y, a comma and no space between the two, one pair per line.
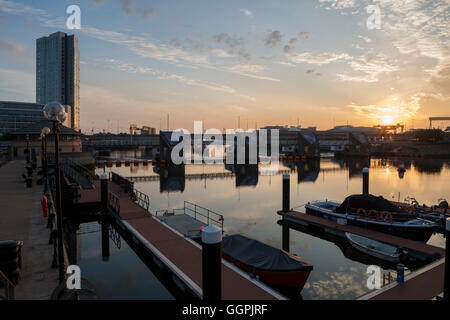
400,273
212,263
365,172
285,238
286,191
447,260
105,240
104,189
29,181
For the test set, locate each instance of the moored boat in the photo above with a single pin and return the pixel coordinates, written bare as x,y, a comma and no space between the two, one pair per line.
375,213
273,266
375,248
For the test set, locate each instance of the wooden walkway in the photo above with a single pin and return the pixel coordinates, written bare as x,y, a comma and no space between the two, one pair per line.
181,254
423,284
335,228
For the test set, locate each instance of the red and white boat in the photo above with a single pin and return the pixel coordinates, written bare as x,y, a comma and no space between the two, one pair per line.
272,266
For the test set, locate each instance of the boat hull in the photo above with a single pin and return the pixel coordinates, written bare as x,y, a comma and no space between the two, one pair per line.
410,232
294,278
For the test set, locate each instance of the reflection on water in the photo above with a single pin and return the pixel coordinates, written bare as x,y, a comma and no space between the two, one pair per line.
122,276
249,202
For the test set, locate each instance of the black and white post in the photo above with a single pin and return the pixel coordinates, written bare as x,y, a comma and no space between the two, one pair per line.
212,263
365,173
286,192
104,190
447,260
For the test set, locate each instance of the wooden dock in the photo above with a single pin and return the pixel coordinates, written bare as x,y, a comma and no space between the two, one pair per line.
415,248
179,258
423,284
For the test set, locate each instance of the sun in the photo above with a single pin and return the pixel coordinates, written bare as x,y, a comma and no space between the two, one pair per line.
387,120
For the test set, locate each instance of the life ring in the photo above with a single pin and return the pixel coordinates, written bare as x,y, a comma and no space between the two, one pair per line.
373,215
387,215
361,212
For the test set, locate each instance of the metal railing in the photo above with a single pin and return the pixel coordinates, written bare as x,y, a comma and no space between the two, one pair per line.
124,184
199,213
8,286
141,199
114,202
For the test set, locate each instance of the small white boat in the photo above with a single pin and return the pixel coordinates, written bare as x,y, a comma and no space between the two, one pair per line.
374,248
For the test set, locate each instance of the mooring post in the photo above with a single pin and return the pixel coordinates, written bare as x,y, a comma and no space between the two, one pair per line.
285,231
365,172
105,240
104,190
212,263
286,191
400,273
447,260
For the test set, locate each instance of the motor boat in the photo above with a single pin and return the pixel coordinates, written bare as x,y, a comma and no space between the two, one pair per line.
375,213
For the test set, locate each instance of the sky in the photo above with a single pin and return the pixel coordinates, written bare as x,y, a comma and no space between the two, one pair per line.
255,62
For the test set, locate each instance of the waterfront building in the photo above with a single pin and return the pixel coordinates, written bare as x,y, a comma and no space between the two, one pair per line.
70,140
57,72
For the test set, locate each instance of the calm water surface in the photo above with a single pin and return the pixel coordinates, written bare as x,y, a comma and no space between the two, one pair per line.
249,203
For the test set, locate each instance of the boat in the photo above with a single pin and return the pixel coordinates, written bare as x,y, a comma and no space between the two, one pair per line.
375,213
375,248
271,265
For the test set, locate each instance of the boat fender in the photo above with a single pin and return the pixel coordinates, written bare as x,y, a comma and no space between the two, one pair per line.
44,206
361,213
373,215
386,216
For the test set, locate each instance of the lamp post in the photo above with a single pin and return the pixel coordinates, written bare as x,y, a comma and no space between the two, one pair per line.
54,111
44,133
28,148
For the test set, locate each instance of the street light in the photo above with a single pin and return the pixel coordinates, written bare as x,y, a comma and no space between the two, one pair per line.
28,148
54,111
44,133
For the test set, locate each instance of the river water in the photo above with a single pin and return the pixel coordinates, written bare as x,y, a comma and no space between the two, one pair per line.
249,202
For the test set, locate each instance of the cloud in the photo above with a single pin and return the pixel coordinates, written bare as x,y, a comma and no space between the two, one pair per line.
313,72
127,6
247,12
393,106
234,45
133,68
318,59
273,38
251,71
10,48
288,48
369,67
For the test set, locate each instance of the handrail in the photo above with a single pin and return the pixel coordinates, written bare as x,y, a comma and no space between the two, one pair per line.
141,199
8,285
125,184
114,202
216,217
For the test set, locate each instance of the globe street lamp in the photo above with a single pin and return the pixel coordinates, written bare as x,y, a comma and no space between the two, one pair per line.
54,111
44,133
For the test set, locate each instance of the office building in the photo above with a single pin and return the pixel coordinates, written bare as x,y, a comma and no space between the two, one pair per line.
57,72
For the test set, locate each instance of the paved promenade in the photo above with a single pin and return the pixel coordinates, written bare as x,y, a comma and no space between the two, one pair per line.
21,219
